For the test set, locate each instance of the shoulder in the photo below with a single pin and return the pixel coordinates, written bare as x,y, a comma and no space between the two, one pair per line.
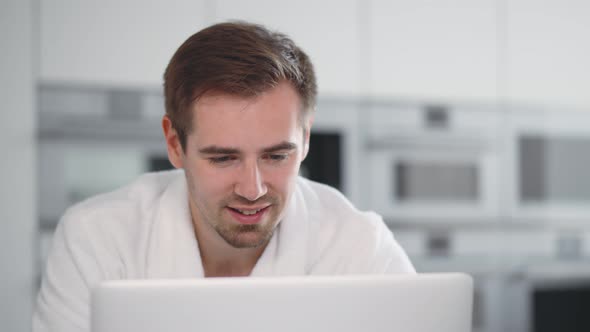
96,240
142,192
316,195
344,239
330,209
120,212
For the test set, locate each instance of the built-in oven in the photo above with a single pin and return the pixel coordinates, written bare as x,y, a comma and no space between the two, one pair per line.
433,163
488,288
548,297
334,153
561,306
549,166
93,140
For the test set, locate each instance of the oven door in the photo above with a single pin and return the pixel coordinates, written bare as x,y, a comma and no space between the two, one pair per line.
550,166
435,179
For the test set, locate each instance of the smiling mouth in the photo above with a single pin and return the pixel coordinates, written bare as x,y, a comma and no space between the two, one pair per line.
248,212
246,216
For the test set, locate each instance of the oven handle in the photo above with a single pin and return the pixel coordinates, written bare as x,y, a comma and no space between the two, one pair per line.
455,143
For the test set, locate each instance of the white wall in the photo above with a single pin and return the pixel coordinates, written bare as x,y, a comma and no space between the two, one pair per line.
17,165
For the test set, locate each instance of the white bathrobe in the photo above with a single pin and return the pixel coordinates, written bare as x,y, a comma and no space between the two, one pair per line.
144,231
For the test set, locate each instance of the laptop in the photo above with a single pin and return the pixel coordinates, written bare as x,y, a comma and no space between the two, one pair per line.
401,303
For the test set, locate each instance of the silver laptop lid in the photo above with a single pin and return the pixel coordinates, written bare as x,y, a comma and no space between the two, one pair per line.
402,303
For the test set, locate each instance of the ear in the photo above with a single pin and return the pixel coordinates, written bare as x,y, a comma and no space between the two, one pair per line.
307,133
175,152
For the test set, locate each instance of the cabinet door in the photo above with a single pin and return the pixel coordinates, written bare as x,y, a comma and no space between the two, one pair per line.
326,30
122,43
434,50
548,52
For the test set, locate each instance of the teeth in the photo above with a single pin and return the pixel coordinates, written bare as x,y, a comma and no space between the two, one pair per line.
249,212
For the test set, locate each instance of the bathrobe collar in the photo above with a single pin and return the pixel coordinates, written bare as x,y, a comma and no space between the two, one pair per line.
173,251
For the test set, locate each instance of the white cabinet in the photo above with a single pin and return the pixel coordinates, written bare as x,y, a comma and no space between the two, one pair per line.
522,51
113,43
433,50
129,43
548,52
326,30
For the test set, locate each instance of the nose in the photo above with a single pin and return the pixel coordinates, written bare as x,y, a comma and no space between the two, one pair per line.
250,183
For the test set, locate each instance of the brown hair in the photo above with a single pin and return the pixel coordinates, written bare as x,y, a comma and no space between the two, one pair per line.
237,58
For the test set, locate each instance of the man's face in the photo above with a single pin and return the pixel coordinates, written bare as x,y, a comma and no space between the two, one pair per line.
241,163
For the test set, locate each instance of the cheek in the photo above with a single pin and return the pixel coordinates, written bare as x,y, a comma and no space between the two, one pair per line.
283,178
208,181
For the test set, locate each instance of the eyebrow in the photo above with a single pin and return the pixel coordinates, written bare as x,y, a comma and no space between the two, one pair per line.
280,147
214,149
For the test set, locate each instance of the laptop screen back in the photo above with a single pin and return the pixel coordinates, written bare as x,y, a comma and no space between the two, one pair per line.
404,303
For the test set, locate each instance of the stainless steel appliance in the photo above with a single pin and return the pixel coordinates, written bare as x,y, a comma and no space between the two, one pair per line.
549,166
335,151
433,163
547,296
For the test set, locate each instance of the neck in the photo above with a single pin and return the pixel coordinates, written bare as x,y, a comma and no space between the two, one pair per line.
223,260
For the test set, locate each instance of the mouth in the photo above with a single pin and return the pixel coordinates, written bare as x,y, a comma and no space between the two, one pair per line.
248,212
248,216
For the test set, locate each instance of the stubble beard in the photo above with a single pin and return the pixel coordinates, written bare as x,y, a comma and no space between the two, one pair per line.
244,236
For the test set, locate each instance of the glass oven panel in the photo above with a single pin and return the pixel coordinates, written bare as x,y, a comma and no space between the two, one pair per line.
562,308
554,169
91,171
420,181
323,162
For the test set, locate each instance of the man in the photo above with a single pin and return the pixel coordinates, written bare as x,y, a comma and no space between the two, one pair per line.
239,109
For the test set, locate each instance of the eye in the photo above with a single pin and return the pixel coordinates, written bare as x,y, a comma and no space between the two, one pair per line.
221,159
277,157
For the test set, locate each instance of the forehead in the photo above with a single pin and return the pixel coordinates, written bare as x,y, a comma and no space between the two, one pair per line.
230,120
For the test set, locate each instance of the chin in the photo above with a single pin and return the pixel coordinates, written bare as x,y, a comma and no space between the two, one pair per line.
247,243
246,236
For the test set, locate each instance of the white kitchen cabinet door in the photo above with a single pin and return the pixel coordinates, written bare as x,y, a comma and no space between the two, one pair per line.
434,50
548,52
114,43
326,30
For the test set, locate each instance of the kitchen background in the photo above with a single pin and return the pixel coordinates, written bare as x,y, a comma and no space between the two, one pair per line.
465,123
